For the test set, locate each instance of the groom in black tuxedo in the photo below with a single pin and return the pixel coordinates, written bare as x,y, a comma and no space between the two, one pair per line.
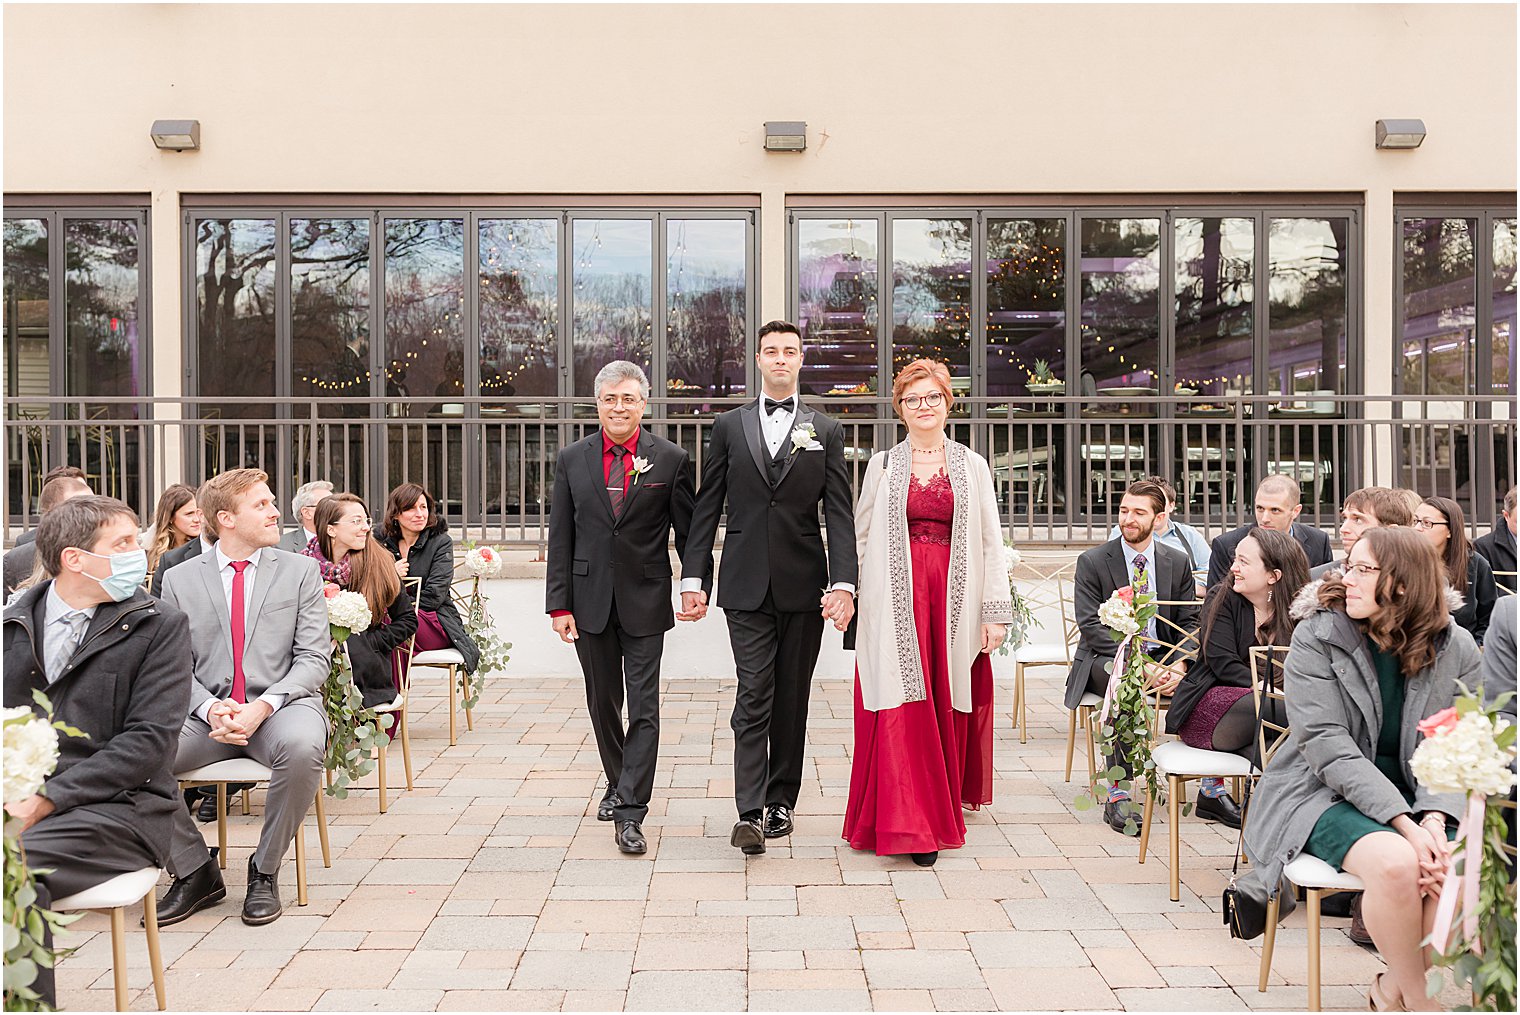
773,462
617,495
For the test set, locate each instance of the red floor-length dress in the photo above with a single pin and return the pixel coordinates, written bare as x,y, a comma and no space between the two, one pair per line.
917,764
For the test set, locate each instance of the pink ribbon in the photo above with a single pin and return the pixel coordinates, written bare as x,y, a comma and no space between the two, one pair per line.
1462,887
1115,675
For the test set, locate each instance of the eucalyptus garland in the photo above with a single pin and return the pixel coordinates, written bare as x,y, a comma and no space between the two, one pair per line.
493,650
355,732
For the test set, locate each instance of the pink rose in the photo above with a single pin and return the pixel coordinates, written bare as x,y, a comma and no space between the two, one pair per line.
486,554
1126,595
329,590
1442,722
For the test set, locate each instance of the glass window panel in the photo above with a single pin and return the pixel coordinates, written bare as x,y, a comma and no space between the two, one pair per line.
104,350
519,307
330,305
931,296
27,349
424,312
1215,290
1306,310
1026,306
838,312
1504,313
1440,305
612,299
705,317
1121,322
235,314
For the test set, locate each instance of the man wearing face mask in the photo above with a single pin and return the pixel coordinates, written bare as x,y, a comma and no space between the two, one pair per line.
110,658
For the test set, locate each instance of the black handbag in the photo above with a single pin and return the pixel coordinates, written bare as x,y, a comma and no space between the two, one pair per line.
1244,914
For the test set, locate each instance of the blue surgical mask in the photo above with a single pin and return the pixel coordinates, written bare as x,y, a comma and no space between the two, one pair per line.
127,573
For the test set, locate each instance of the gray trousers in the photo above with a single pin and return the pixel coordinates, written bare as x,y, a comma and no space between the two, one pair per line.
291,743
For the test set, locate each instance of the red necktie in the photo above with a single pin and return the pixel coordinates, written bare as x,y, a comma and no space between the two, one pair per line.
239,691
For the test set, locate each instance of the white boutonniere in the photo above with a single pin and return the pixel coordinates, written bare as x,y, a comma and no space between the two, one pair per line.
805,438
640,466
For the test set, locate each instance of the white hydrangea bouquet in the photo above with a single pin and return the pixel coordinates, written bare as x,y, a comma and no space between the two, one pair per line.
1470,749
1023,615
483,561
356,731
31,755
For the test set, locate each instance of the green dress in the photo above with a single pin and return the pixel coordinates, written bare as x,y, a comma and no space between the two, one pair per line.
1342,825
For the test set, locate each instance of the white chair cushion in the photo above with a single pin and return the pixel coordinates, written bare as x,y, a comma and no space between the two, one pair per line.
1090,700
1176,758
1309,871
122,890
231,770
1046,652
438,657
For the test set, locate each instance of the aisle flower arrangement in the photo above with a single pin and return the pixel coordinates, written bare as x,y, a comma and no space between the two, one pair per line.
1023,614
481,562
31,755
355,732
1470,749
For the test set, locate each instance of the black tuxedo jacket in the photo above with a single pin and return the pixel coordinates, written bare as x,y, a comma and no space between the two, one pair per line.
596,560
178,555
1498,547
773,540
1100,571
1222,555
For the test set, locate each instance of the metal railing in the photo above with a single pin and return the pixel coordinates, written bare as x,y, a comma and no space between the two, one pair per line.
1060,463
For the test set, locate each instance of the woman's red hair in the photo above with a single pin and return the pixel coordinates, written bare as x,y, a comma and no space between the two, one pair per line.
918,370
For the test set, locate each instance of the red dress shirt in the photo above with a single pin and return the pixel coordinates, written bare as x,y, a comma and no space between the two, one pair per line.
632,444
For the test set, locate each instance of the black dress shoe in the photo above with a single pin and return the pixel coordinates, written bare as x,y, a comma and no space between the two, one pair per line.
1218,808
262,904
1118,813
608,803
195,891
748,837
630,838
778,821
925,859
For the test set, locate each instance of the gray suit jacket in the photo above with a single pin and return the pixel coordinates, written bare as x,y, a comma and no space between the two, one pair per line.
1499,654
287,648
294,540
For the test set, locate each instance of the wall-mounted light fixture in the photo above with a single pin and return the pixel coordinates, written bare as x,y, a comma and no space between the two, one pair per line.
785,135
177,135
1396,134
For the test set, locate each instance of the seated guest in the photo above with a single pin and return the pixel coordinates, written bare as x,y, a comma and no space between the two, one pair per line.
1376,653
22,567
303,506
188,550
61,472
417,535
1440,521
1135,559
1174,533
1371,507
1277,508
176,522
1499,656
259,652
1213,709
352,558
110,659
1498,547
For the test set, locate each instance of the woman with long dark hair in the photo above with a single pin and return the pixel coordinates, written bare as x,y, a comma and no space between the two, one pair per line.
1440,521
351,558
176,521
417,536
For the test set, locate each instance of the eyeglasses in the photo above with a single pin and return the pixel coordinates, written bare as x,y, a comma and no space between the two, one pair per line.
932,399
613,401
1362,569
360,521
1426,524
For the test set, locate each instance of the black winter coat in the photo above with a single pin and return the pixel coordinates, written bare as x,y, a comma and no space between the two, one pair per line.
432,559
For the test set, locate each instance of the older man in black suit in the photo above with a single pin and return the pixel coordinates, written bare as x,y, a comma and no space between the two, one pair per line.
1146,565
1277,507
618,494
111,660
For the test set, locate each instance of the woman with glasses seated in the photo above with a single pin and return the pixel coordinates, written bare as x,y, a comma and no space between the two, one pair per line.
1439,520
352,559
1376,652
417,535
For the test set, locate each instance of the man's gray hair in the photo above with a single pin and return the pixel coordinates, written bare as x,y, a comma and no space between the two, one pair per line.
621,370
306,496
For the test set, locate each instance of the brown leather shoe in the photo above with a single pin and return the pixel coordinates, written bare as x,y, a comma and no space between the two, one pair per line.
1358,928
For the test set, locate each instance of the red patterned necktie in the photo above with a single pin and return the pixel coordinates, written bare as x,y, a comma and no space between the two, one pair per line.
239,690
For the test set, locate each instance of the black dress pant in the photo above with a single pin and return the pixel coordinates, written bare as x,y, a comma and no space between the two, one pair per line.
85,846
610,660
774,654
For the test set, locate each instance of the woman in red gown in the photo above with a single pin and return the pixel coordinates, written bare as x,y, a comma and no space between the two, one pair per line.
934,599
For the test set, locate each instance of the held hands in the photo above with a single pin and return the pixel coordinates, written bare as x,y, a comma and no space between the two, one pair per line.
839,607
1164,679
693,606
1430,850
992,637
565,628
233,722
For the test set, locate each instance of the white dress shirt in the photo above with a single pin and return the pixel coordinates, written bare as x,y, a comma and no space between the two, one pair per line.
54,628
250,575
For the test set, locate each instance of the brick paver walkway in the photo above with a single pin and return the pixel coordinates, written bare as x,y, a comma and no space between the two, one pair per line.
491,885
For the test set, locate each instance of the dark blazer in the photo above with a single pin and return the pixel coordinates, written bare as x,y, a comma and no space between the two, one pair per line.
370,650
178,555
773,541
1478,598
1498,548
596,560
128,689
18,564
1224,659
1315,543
1102,570
432,559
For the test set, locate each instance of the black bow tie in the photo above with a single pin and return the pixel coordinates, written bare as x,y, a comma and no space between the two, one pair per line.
771,405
